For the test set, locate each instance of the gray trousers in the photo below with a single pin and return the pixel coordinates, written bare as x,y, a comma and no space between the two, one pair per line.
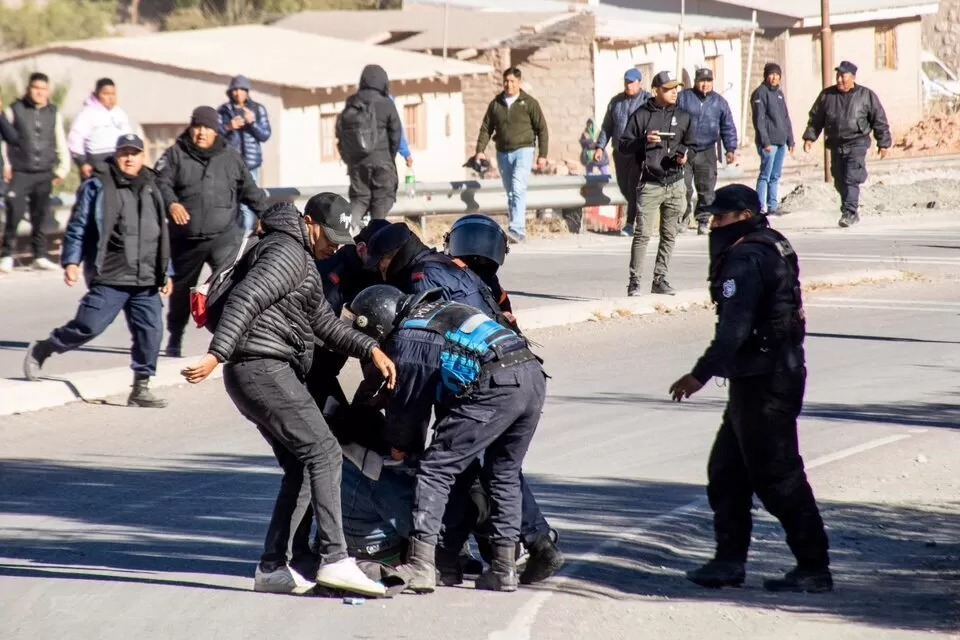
656,201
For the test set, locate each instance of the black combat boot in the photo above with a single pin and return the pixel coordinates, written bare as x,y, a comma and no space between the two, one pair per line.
800,580
544,561
502,574
141,396
37,354
420,569
661,286
849,219
449,570
703,228
633,289
718,573
174,346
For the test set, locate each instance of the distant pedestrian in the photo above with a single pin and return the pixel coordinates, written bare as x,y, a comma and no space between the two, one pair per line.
203,182
404,149
37,164
118,232
711,121
516,123
847,113
368,138
774,134
657,138
97,127
245,126
8,137
589,158
625,168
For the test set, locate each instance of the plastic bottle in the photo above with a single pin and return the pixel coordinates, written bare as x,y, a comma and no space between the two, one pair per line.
410,182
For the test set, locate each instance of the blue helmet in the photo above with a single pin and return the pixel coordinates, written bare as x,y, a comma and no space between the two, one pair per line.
477,234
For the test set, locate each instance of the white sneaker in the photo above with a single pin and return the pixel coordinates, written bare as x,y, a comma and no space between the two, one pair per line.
346,575
44,264
282,580
6,265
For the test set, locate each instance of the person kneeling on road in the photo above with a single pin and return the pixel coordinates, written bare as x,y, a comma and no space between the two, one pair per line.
487,390
118,232
758,346
270,321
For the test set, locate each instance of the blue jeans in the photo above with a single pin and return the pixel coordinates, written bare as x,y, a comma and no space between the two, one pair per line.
377,514
101,306
248,220
771,165
515,168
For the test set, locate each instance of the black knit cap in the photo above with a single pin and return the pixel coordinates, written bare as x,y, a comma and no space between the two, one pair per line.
205,117
772,67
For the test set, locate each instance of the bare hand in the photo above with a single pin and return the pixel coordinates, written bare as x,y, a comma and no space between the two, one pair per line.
807,145
86,170
685,387
201,370
248,116
237,123
654,137
541,163
7,173
409,161
385,366
682,159
396,454
598,155
167,289
883,153
767,149
792,148
179,214
57,180
480,156
730,157
71,274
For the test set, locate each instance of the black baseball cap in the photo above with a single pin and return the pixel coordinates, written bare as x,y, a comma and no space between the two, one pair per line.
384,241
703,74
665,80
332,212
732,199
130,141
846,67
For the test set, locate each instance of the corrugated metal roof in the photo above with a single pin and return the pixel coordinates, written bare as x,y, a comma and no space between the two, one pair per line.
422,28
268,55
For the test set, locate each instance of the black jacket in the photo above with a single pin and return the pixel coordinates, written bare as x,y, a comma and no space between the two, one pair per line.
848,118
374,89
771,118
760,325
278,309
210,184
658,161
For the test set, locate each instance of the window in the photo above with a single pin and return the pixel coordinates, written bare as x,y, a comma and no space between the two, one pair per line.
885,43
413,125
328,138
646,71
715,64
157,138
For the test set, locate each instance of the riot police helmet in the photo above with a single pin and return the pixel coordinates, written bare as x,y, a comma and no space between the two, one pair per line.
375,310
477,235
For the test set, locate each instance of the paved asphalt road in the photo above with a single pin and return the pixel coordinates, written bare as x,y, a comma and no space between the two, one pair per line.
539,273
128,523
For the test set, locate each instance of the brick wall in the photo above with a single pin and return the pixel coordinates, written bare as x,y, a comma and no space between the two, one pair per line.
558,64
941,33
770,45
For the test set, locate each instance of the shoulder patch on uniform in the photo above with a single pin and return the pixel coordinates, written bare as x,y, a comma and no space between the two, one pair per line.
729,288
417,275
334,278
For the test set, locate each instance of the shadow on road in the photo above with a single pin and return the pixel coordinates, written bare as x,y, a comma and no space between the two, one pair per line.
850,336
895,564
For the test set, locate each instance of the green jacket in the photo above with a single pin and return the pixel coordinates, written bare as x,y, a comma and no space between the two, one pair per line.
522,125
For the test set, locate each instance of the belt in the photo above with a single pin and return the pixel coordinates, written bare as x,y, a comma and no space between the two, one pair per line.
518,356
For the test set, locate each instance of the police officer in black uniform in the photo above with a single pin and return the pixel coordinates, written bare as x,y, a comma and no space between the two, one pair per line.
487,390
758,347
480,243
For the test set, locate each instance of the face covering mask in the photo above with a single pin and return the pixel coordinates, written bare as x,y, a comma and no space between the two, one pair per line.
722,238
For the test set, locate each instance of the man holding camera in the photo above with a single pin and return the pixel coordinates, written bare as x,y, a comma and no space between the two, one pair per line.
657,137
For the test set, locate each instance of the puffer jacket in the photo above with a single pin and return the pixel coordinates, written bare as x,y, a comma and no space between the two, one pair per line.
95,130
618,114
246,141
848,118
710,120
278,309
374,89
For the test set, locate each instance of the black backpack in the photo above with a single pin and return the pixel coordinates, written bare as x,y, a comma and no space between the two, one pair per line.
358,130
208,300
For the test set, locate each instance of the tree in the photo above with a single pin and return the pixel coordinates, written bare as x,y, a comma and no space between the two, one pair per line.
30,25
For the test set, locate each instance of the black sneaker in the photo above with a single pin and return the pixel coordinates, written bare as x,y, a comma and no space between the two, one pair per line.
849,219
801,581
718,573
661,286
37,354
633,289
703,228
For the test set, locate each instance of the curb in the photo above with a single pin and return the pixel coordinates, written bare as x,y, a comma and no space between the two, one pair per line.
22,396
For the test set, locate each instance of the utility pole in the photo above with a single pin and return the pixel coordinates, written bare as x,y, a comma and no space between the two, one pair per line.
681,36
826,56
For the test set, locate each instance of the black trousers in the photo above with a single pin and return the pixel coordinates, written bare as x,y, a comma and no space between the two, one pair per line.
700,173
188,257
373,190
756,452
627,172
848,166
276,400
28,190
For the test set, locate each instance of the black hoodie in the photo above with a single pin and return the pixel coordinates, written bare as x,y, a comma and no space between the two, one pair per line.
374,89
658,161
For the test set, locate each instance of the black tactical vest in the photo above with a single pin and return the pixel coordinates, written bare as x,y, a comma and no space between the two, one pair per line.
38,138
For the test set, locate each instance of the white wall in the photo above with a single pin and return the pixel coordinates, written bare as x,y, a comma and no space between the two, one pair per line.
441,157
611,64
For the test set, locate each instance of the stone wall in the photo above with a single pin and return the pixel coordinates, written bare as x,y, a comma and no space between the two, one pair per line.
941,33
557,66
770,45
